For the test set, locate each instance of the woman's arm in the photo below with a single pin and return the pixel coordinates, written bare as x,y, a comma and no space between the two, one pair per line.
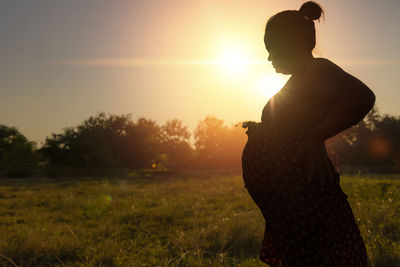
349,98
352,98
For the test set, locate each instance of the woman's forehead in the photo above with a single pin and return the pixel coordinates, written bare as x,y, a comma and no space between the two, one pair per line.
270,39
278,38
267,45
267,36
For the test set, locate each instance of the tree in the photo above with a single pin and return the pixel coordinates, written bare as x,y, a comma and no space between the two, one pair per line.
89,145
373,144
384,143
17,155
175,144
217,145
142,143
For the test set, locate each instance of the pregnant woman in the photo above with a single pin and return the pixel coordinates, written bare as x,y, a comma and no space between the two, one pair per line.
286,169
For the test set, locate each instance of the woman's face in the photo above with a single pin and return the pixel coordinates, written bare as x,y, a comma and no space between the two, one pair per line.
283,52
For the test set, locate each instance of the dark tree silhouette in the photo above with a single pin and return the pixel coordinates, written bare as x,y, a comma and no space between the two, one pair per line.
17,155
90,145
373,145
142,143
105,142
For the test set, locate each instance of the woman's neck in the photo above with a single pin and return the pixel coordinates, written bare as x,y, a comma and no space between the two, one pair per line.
297,76
301,63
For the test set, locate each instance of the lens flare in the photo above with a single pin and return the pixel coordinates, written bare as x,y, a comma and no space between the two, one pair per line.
233,61
270,84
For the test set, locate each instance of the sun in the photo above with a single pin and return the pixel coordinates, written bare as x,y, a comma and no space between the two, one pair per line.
233,60
270,84
246,69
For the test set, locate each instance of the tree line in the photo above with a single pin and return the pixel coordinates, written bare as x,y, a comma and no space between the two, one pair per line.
110,142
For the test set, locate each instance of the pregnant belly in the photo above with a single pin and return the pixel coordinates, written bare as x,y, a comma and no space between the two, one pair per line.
268,157
270,146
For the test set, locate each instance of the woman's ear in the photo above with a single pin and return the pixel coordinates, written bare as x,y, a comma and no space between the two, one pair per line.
301,42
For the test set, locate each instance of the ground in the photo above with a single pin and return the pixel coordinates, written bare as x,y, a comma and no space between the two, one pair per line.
182,219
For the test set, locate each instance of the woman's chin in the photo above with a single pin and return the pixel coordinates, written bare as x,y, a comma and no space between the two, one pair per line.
282,70
279,70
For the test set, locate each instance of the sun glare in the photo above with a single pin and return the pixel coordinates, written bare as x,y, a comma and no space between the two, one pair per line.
247,70
270,84
233,60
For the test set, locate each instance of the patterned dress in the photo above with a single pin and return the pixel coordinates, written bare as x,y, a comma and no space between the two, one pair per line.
308,220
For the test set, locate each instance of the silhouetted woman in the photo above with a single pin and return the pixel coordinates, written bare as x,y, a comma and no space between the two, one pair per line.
286,169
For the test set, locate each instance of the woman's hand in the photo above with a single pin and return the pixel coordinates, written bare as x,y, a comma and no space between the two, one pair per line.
310,154
251,127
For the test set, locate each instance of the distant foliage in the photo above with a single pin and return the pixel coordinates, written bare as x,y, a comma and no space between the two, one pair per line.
373,145
111,141
176,151
107,142
17,155
217,145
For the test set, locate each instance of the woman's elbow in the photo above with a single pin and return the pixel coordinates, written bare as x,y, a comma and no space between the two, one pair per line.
362,103
369,99
366,102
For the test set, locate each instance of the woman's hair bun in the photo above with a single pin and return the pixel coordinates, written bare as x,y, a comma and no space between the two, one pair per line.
311,10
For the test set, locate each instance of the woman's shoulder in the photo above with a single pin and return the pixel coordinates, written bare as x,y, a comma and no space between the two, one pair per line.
322,66
322,79
322,71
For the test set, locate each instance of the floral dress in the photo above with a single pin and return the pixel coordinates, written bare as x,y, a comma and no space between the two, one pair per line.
308,220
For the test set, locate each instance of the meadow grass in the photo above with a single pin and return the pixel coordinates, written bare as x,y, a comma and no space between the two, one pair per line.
191,219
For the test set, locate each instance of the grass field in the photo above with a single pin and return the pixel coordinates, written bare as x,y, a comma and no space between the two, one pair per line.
192,219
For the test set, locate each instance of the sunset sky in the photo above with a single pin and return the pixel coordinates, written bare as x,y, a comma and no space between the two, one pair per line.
63,61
